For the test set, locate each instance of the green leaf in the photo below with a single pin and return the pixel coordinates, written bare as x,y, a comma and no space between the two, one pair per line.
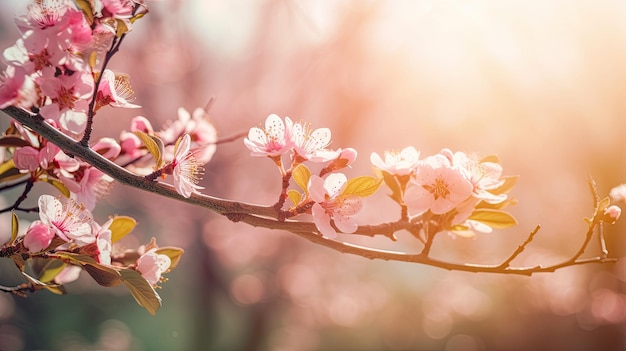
121,226
174,253
392,183
295,196
12,141
58,184
493,218
301,176
508,184
142,291
154,146
15,227
51,269
362,186
9,172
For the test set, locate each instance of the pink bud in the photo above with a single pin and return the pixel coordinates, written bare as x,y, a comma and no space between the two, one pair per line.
141,124
612,213
26,158
107,147
38,237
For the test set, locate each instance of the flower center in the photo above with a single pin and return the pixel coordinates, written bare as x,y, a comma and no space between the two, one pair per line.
438,189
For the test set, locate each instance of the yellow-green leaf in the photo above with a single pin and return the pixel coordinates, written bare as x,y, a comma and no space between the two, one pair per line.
120,226
174,253
55,288
362,186
7,166
59,185
85,6
51,269
154,146
491,158
15,227
142,291
508,184
295,196
103,275
11,174
121,28
301,176
494,218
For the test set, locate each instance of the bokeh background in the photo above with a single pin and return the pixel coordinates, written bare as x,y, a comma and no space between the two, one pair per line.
539,83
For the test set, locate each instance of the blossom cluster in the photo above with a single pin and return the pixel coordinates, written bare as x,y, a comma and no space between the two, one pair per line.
70,227
457,192
51,69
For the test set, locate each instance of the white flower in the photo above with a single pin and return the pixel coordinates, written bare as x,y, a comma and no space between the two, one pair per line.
71,221
186,169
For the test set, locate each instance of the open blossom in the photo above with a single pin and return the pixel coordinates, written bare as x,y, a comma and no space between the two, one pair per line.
151,265
273,141
186,169
484,176
69,99
16,88
331,204
397,162
199,127
115,90
311,144
71,221
88,186
436,186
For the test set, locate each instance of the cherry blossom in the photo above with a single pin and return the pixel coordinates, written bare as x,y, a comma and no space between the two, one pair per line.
618,193
311,144
69,274
43,14
612,214
331,204
397,162
38,236
436,186
202,132
484,176
71,221
151,265
88,186
17,88
273,141
69,101
115,90
186,169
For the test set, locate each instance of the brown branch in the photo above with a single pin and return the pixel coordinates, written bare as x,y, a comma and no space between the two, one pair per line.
266,216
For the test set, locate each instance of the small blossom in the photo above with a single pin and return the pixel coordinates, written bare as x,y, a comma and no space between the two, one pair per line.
186,169
273,141
330,204
311,145
38,236
26,158
612,214
71,221
436,186
115,90
88,186
484,176
152,265
202,132
16,88
397,162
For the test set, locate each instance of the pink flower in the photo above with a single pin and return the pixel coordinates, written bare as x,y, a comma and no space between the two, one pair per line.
331,204
38,236
115,90
311,145
186,169
202,132
484,176
16,88
273,141
69,99
69,222
88,186
26,158
397,162
436,186
103,242
43,14
151,265
107,147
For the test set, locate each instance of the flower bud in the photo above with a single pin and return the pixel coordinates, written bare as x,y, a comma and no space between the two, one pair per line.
611,214
38,236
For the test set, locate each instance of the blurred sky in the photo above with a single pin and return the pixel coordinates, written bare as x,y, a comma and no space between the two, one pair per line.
539,83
